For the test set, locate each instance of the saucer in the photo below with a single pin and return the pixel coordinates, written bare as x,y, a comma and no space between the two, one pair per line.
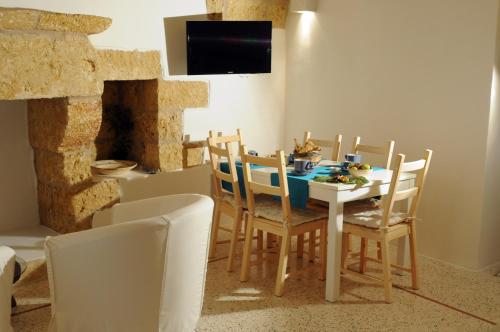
295,173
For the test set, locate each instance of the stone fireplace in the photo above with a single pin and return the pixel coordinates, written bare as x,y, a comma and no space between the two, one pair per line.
86,104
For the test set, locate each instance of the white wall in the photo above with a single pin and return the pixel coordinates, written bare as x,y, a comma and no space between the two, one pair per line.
418,72
18,205
490,231
254,103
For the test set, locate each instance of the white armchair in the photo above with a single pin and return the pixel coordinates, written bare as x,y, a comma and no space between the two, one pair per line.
111,277
7,260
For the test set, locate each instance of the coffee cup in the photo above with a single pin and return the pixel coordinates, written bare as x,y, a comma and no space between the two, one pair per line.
353,158
302,165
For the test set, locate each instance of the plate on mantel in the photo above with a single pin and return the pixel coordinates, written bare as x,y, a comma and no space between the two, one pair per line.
113,167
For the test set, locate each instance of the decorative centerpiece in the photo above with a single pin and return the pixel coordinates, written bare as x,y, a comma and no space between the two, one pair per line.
308,151
113,167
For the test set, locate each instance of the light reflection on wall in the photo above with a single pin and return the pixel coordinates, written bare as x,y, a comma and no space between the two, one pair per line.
305,26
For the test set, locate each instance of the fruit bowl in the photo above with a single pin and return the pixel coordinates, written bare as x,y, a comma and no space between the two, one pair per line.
358,170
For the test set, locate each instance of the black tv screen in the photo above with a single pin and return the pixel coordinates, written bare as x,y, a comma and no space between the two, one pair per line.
228,47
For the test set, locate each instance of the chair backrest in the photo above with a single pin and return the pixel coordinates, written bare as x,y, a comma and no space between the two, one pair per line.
7,259
109,278
252,187
189,218
334,144
220,150
384,151
420,168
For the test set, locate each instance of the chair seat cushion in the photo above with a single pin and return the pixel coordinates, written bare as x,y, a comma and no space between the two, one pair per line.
229,198
270,208
372,218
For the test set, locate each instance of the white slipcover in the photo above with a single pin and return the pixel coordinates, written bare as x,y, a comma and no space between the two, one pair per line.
7,259
99,264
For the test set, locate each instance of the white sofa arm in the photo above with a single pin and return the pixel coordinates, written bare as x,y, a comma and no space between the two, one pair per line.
7,260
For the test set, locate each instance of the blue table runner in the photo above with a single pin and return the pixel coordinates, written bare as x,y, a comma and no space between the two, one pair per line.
298,186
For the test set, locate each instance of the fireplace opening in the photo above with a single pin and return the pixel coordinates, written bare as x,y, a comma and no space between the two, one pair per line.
120,137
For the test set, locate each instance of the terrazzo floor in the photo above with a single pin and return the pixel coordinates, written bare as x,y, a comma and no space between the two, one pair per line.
450,299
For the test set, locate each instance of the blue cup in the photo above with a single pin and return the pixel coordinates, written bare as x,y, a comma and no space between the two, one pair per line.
302,165
353,158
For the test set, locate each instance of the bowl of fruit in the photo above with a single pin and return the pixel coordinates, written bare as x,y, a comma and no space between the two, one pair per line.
358,170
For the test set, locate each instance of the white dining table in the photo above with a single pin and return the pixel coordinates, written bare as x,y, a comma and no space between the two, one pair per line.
336,194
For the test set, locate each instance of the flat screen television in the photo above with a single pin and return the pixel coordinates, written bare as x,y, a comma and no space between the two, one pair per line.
228,47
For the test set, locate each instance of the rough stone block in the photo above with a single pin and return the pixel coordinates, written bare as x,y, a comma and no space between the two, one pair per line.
115,65
161,94
68,210
47,65
163,156
64,169
214,6
256,10
33,19
161,126
87,24
195,156
18,19
63,123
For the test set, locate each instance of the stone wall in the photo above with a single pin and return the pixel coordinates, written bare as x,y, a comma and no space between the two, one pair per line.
62,132
47,58
251,10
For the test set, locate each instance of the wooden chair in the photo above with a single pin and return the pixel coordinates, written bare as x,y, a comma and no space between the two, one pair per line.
384,151
334,144
228,203
384,225
268,214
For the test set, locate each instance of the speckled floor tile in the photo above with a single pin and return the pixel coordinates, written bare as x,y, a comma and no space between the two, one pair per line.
251,306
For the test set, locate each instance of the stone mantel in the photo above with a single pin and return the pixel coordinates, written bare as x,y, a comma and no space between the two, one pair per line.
47,59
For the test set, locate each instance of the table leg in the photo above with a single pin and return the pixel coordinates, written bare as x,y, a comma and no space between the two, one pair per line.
333,264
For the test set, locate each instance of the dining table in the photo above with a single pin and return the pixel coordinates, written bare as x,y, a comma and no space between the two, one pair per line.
336,195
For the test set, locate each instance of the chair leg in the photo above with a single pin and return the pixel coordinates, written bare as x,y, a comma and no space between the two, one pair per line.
345,250
260,240
215,229
348,243
281,276
270,239
234,238
312,246
247,251
413,254
300,246
379,250
362,255
322,250
386,265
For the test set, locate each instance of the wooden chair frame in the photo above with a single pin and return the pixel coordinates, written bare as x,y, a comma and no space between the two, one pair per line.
386,150
284,230
386,232
219,148
334,144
